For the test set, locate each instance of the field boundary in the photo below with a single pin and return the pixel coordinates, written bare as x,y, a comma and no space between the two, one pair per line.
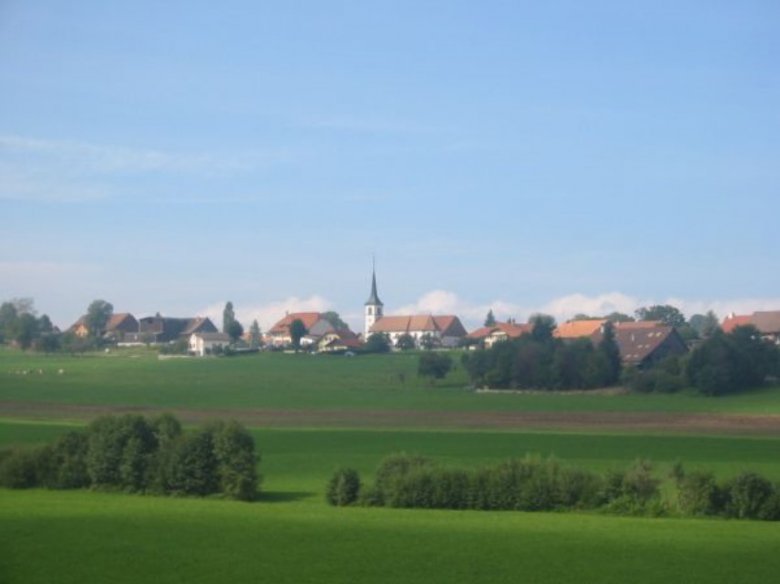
629,422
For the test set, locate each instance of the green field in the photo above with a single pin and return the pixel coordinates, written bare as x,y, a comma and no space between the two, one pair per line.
281,381
291,535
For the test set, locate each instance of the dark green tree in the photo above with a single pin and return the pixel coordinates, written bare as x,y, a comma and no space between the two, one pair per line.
228,318
490,319
98,314
234,449
255,338
434,365
297,332
377,343
343,487
609,348
405,342
335,320
665,313
542,327
235,330
704,324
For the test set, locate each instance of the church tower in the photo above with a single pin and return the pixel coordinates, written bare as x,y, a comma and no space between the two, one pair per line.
373,309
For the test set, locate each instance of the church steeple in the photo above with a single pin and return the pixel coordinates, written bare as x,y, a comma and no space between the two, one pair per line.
373,306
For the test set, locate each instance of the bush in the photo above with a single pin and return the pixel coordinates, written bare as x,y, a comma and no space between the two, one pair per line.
193,465
391,471
699,494
21,468
234,449
343,487
434,365
69,462
747,495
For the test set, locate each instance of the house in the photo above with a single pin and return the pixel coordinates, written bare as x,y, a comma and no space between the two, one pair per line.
488,336
316,326
442,330
202,344
338,341
766,321
118,325
165,329
575,329
645,343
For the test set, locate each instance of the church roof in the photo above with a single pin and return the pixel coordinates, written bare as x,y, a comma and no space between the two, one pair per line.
374,298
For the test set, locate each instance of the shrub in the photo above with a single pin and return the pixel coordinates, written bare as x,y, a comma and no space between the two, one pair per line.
193,465
69,462
234,449
21,469
699,494
343,487
747,494
390,473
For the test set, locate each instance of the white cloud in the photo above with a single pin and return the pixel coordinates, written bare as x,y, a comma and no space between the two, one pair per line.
267,314
565,307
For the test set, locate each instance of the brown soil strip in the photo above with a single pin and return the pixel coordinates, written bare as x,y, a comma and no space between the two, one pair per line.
641,422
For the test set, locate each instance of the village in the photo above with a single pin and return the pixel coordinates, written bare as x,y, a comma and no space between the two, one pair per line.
642,343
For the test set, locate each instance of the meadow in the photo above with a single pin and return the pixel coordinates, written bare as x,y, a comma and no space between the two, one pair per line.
291,535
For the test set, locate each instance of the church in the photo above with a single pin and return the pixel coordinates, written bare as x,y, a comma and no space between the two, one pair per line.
442,330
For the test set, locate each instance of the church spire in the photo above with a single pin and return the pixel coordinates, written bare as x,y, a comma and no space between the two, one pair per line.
374,298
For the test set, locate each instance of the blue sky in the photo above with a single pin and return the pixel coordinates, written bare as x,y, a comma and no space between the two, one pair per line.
557,156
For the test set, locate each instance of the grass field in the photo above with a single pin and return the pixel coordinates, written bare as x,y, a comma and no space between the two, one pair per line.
291,535
280,381
90,537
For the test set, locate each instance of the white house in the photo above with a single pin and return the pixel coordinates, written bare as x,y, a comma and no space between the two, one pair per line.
202,344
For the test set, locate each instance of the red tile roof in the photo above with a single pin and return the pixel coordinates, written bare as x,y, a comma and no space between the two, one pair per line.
511,330
575,329
309,319
447,324
734,320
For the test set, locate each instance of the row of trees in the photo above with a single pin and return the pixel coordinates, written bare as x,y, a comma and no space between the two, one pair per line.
21,325
135,454
722,364
537,484
540,361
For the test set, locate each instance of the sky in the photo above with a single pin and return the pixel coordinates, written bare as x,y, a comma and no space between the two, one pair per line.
558,156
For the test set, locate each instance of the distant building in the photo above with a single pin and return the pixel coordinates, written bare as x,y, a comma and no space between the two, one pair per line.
442,330
165,329
645,343
766,321
314,322
487,336
202,344
338,342
118,325
575,329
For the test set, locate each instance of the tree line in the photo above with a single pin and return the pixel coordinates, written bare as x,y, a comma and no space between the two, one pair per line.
134,454
537,484
538,360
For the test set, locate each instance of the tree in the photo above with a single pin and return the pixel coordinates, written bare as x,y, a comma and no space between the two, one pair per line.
542,327
490,319
619,317
24,330
405,342
609,348
377,343
235,330
228,318
428,341
704,324
434,365
343,487
334,319
234,449
668,315
98,314
255,338
297,332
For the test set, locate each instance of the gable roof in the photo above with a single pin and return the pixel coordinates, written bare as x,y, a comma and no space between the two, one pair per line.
768,321
450,325
309,319
341,337
118,319
732,321
575,329
637,343
509,329
445,324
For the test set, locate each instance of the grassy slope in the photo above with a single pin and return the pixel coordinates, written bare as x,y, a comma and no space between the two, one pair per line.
280,381
90,537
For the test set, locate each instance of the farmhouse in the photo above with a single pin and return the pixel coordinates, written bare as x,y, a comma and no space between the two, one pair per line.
316,326
442,330
202,344
645,343
767,322
575,329
165,329
338,342
488,336
117,326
